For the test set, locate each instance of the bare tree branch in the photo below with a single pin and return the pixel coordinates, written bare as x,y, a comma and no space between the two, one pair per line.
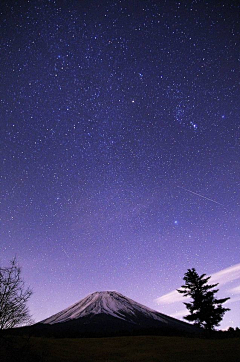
13,297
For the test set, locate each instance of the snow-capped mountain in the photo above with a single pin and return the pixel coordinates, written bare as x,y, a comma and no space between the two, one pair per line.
107,314
111,303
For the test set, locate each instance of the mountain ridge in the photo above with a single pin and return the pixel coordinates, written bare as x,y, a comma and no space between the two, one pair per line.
107,302
108,314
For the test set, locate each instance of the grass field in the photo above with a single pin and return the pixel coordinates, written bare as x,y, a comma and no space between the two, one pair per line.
128,349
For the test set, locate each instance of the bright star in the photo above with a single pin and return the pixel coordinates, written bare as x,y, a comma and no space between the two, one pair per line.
194,125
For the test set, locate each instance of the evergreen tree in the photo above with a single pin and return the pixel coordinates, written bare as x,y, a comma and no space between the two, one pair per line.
205,310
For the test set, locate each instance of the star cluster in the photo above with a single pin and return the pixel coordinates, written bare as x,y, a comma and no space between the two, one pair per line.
114,114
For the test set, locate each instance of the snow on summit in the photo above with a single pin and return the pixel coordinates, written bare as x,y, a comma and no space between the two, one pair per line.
108,302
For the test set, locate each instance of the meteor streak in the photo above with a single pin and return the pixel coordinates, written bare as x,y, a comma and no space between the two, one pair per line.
65,252
204,197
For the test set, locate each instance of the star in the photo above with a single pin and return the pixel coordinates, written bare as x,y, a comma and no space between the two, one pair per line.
118,146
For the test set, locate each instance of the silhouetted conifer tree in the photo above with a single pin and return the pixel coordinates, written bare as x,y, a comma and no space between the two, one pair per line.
205,310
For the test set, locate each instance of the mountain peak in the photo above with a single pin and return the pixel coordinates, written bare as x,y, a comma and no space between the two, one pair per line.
109,313
104,302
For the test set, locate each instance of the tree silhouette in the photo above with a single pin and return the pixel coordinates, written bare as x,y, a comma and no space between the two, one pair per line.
205,310
13,297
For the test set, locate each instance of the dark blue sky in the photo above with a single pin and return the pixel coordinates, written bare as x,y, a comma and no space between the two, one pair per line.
120,147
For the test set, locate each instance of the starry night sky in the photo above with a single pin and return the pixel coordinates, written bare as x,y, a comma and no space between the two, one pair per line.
120,164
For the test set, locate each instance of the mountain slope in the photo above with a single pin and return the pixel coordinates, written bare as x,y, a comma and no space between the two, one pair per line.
110,303
107,314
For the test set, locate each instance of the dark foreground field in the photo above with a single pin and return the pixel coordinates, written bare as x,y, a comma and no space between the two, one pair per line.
137,349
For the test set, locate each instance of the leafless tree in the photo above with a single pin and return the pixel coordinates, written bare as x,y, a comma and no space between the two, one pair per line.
13,297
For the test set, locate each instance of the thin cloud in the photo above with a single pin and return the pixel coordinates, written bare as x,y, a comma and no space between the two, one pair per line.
169,298
235,290
222,277
226,275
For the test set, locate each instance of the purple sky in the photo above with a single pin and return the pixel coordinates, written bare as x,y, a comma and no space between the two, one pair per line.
120,148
